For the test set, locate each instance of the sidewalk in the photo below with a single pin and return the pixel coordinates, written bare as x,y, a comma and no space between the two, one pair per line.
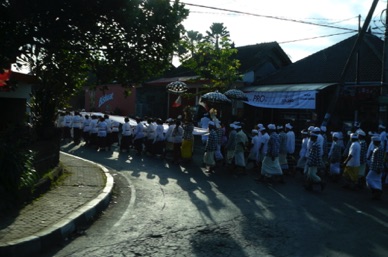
60,212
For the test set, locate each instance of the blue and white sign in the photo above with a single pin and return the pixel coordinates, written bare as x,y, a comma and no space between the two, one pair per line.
282,100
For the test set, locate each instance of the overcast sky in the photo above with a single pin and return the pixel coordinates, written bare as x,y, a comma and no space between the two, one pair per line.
260,21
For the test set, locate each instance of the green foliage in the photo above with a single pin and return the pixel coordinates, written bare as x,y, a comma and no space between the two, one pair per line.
212,57
16,164
62,42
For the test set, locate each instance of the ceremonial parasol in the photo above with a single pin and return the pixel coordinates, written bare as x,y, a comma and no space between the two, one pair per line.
215,97
177,87
235,94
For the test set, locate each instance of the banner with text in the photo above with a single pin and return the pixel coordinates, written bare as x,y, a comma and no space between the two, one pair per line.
282,100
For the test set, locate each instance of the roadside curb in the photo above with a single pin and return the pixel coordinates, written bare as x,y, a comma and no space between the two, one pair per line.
81,217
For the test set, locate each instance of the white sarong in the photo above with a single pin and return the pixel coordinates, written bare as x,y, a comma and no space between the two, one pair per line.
373,180
270,168
239,159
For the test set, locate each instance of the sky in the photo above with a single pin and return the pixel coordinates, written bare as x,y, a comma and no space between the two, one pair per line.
260,21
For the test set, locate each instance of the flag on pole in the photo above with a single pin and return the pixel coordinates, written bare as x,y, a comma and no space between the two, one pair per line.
178,102
4,77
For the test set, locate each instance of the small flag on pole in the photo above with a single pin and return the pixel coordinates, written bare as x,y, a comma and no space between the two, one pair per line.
178,102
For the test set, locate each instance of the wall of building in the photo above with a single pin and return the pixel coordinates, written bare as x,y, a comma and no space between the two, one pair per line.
112,99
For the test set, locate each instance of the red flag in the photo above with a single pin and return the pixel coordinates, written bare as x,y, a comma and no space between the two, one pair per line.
4,77
178,102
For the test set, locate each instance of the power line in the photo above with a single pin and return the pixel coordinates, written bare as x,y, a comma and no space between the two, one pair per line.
270,17
310,38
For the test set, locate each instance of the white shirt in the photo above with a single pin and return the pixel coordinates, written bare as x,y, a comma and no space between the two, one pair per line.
355,151
86,124
303,149
159,133
127,130
264,143
290,142
77,121
139,131
68,120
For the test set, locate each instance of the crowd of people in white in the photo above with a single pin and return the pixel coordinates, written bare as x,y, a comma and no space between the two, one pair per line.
354,158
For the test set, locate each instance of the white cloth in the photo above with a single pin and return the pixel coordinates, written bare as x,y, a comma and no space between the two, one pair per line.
67,121
208,159
239,159
93,126
373,180
271,167
254,151
264,144
159,133
139,131
126,129
355,151
86,125
290,142
335,168
77,121
102,129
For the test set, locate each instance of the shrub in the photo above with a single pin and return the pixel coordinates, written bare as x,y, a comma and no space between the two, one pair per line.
17,172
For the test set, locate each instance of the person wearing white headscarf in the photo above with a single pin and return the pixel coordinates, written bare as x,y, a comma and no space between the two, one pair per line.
290,148
282,149
374,177
314,159
352,163
301,163
210,148
271,167
239,151
231,144
334,157
253,156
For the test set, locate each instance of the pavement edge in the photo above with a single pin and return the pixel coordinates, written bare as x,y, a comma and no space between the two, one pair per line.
45,239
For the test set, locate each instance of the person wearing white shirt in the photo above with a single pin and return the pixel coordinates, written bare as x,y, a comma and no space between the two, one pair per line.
169,143
77,127
138,136
301,163
290,148
115,127
102,135
177,135
159,139
352,163
253,156
126,136
150,131
93,131
204,123
86,129
68,123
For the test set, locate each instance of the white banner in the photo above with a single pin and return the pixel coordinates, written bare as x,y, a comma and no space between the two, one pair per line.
282,100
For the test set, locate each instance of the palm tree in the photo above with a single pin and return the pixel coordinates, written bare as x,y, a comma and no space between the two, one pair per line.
193,37
217,31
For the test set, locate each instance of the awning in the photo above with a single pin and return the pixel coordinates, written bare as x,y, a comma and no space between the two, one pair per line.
286,96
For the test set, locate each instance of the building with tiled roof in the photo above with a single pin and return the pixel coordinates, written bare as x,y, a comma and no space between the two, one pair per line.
319,74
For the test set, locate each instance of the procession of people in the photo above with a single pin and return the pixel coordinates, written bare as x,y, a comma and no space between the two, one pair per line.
354,158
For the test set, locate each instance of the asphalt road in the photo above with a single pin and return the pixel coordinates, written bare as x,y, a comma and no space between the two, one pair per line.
162,209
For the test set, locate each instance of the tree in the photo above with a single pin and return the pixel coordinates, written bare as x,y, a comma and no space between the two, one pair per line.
61,42
212,57
217,32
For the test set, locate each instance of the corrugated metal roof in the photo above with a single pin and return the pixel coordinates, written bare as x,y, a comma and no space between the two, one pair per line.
288,87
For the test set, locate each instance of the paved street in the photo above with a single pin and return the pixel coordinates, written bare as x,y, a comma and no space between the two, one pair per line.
160,209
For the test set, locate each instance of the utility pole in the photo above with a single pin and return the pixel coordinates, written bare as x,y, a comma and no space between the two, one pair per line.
341,82
383,100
